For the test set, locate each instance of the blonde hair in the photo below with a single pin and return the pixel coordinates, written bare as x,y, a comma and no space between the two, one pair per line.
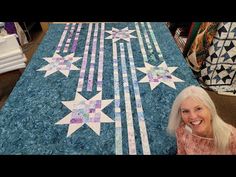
221,130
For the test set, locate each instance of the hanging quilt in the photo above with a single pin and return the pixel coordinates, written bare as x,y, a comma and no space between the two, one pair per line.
96,88
218,72
198,51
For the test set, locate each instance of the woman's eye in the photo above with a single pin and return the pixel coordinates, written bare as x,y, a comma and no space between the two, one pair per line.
184,111
199,108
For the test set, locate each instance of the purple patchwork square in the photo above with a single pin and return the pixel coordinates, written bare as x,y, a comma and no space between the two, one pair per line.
76,120
98,104
96,119
169,77
92,110
156,80
97,115
117,103
75,114
150,77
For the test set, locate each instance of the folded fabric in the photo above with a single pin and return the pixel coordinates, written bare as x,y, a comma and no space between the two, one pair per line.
11,68
11,54
198,51
12,63
15,28
10,27
13,58
8,43
15,52
21,34
192,34
9,47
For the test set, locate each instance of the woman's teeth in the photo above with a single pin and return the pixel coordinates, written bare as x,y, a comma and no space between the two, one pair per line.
197,122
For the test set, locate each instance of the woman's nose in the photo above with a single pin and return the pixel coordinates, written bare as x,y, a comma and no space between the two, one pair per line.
193,115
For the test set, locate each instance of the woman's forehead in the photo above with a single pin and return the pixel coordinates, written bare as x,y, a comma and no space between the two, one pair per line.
191,102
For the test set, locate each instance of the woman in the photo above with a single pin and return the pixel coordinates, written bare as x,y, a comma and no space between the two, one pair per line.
198,127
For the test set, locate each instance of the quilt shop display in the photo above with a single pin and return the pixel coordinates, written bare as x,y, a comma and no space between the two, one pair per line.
97,88
219,70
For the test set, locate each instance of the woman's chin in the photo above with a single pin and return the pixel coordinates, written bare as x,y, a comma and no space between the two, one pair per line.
198,131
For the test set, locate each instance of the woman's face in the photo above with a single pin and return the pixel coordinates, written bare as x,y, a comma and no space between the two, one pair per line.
197,116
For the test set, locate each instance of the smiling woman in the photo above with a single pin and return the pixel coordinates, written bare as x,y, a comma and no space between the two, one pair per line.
197,116
197,126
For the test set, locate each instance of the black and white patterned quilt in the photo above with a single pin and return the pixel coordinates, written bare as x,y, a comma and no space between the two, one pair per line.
218,72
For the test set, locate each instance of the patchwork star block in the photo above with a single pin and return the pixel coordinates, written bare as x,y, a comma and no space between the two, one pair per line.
157,74
86,112
59,63
117,34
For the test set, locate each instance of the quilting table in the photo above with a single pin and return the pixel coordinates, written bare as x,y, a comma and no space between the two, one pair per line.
96,88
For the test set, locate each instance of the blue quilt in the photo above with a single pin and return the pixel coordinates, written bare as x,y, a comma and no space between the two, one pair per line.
96,88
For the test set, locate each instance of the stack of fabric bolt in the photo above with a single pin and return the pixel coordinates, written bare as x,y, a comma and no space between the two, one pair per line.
11,55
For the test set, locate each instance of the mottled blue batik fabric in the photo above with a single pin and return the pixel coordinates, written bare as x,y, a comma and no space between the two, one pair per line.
96,88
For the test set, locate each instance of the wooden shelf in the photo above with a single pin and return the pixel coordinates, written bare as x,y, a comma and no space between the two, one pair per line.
44,26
